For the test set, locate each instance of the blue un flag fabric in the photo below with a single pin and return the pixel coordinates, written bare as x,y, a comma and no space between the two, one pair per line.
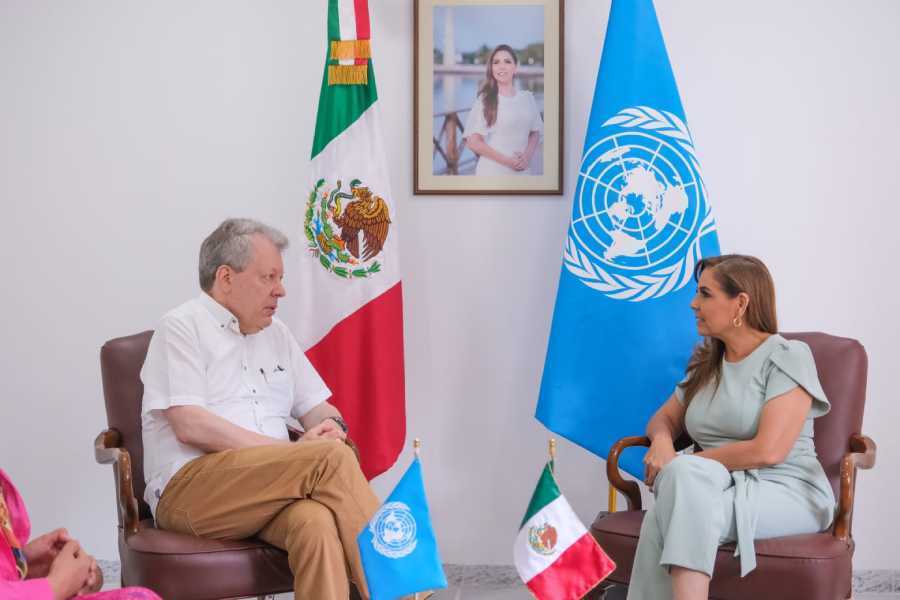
398,549
622,329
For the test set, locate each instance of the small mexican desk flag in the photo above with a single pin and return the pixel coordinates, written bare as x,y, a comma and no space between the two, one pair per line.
348,295
555,555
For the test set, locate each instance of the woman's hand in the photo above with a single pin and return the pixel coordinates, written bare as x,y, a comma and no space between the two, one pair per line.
665,425
661,453
510,162
41,551
70,571
520,161
94,581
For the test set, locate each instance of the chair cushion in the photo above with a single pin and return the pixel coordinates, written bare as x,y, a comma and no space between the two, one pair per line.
184,567
814,564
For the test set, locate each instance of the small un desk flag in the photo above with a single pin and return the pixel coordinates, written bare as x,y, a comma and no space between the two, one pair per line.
398,548
622,328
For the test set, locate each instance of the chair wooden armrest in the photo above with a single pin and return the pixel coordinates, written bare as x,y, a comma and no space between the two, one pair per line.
108,450
294,434
861,456
629,489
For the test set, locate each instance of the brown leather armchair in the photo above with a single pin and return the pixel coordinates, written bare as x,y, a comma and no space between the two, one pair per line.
815,566
175,566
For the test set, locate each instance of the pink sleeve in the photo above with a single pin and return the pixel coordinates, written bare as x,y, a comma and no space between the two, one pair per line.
30,589
15,504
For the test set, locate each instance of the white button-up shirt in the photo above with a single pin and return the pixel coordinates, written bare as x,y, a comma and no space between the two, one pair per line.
199,357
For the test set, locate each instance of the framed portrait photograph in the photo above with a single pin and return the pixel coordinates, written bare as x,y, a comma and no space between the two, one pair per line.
487,96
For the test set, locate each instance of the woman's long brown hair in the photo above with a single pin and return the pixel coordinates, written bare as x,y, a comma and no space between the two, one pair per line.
489,89
735,273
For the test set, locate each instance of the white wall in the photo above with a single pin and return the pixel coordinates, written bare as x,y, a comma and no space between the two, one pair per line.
130,129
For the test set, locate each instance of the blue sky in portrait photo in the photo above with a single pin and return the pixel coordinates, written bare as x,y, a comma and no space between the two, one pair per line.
474,26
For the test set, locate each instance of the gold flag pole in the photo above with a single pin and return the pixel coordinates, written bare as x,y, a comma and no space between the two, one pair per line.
417,445
612,499
552,450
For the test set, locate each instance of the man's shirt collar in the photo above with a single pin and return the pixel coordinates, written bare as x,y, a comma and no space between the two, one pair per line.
222,315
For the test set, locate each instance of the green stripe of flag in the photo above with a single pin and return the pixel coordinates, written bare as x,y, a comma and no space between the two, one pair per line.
339,105
334,21
546,492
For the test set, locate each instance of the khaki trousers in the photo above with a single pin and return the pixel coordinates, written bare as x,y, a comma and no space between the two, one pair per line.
309,498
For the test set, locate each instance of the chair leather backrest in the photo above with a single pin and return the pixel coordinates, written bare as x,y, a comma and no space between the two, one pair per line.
121,360
842,365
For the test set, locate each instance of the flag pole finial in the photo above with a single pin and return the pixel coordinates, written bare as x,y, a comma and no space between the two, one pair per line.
417,445
553,449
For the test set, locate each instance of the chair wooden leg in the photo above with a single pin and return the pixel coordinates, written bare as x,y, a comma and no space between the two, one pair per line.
604,591
612,591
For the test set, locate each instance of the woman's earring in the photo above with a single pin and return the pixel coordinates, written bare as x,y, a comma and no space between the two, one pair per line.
737,322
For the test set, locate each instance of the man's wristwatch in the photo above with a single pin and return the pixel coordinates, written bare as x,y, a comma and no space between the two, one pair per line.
340,422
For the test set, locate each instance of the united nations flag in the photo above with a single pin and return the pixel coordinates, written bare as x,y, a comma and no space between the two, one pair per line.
398,548
622,329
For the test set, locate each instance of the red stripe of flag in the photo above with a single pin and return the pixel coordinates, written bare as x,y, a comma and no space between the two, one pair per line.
577,570
361,361
362,19
362,24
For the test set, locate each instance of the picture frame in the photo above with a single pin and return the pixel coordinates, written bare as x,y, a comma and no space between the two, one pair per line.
487,131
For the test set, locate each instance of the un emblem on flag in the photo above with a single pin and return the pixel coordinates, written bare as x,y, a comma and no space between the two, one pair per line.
393,530
640,208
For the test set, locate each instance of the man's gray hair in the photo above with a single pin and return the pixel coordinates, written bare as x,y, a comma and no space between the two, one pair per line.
231,244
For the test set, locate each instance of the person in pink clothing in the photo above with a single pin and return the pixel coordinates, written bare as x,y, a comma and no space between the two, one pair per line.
49,567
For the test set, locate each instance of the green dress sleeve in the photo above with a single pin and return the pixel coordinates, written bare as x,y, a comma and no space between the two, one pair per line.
679,392
791,365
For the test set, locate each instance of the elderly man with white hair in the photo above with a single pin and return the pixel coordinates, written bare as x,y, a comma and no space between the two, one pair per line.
221,379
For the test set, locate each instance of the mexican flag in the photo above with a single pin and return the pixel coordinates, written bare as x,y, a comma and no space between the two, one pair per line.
555,555
350,317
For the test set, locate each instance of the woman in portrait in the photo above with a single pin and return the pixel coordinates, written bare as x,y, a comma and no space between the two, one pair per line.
52,566
504,127
748,400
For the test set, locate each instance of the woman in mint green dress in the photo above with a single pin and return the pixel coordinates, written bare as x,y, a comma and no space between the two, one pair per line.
748,400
